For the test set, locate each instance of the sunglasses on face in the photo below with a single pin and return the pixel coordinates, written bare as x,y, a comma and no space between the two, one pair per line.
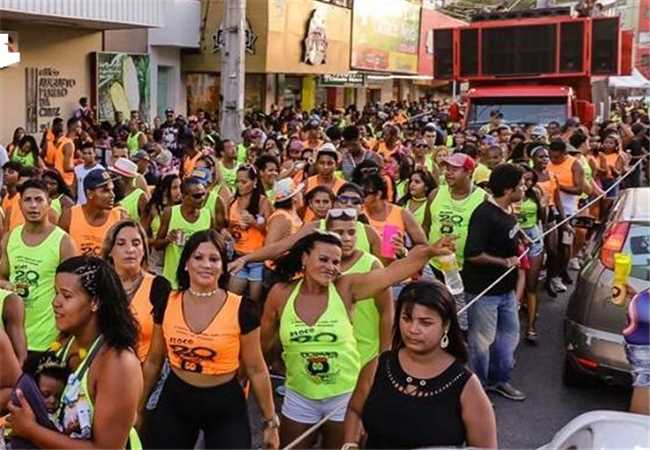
198,195
422,146
349,199
336,213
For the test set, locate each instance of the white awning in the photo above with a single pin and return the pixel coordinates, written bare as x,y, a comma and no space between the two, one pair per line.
634,81
99,14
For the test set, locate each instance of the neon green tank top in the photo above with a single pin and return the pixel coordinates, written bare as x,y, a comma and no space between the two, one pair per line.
3,296
586,168
400,188
173,250
132,142
155,225
32,270
528,214
56,205
26,160
213,196
76,405
420,212
322,360
130,204
362,244
242,153
365,319
449,216
229,176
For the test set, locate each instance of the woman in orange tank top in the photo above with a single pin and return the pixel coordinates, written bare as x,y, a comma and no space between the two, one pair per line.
319,200
615,164
206,332
381,213
285,220
247,217
125,248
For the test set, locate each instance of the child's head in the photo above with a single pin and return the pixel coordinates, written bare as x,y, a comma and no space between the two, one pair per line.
51,377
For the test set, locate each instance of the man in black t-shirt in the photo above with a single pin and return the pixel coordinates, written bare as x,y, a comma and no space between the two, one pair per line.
491,249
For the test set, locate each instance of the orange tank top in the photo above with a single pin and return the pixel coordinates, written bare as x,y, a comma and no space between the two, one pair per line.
59,158
49,148
16,215
89,239
610,159
213,351
294,221
141,309
247,240
314,181
394,218
548,188
563,172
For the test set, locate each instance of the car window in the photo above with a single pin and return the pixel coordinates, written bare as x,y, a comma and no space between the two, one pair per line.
638,246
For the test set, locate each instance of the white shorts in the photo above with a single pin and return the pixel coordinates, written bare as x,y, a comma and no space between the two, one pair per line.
304,410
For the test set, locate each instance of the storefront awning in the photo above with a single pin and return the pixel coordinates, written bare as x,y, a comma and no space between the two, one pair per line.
634,81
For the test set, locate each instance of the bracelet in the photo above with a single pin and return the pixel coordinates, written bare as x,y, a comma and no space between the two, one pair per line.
272,423
350,445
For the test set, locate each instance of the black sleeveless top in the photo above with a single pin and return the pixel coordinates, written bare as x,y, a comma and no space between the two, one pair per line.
427,417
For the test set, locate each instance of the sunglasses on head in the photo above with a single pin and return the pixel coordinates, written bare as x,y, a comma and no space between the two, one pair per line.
349,199
337,213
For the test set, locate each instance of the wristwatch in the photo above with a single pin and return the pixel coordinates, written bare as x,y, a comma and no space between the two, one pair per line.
273,422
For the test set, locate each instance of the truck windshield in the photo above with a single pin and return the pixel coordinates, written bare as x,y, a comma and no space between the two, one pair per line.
531,110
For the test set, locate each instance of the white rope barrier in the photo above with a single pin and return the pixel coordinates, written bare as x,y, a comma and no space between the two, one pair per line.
318,424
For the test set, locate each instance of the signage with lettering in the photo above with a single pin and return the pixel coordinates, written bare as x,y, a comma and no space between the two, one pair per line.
343,79
219,40
45,93
315,42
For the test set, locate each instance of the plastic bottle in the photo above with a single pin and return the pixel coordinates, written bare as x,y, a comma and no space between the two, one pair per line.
449,267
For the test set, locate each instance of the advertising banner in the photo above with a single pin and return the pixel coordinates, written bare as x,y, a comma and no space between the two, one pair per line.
385,35
122,83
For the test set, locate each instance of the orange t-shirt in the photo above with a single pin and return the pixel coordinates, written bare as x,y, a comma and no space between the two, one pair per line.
141,308
213,351
563,172
314,181
89,239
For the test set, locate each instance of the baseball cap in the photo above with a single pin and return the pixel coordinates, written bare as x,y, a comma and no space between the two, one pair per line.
169,111
538,131
96,178
328,149
140,155
460,160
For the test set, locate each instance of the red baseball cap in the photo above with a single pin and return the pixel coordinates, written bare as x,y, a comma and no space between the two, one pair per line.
460,160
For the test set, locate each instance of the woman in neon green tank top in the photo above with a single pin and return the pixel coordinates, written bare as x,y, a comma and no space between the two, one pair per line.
60,195
310,314
91,307
26,153
420,186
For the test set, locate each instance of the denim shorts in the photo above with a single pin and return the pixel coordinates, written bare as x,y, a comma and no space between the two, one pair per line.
251,272
304,410
535,234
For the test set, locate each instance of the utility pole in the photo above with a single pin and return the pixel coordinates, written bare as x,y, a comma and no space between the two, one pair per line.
233,70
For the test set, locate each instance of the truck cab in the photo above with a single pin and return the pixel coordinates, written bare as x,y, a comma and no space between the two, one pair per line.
522,105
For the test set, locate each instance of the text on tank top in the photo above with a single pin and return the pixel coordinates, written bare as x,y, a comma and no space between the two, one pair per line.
247,240
32,270
450,216
141,308
213,351
322,359
89,238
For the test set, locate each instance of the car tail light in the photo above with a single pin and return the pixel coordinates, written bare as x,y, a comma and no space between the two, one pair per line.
587,363
613,243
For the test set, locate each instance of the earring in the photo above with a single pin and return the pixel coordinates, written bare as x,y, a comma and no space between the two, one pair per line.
444,342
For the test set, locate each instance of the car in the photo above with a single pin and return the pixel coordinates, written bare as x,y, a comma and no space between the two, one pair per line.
595,318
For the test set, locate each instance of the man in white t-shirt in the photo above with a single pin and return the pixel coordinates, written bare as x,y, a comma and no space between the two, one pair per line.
88,163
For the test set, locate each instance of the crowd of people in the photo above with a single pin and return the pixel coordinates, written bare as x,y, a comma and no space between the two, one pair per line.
153,276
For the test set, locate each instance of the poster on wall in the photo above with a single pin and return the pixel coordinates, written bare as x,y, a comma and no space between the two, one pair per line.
122,83
47,96
386,39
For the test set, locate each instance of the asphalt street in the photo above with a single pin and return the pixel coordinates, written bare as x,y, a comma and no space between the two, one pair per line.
538,372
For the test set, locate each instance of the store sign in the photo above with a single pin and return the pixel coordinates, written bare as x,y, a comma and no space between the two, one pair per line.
219,39
343,79
315,41
46,92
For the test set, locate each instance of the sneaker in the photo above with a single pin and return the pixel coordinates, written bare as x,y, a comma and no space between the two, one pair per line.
557,285
542,275
574,264
507,390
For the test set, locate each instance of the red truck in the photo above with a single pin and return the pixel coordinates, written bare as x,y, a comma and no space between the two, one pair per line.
533,66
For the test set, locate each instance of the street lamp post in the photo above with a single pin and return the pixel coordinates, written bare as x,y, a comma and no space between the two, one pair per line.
233,70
